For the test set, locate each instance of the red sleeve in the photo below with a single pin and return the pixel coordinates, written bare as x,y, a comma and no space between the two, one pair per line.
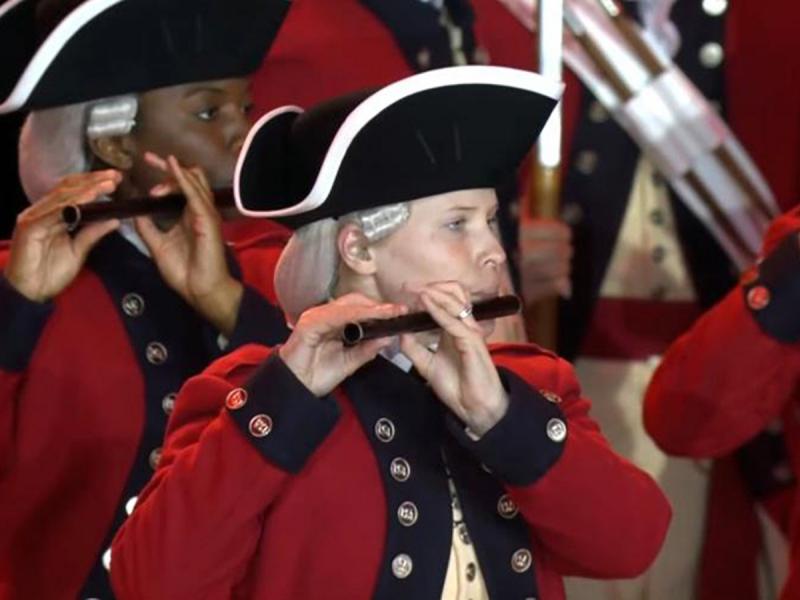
724,380
21,325
720,384
595,513
197,523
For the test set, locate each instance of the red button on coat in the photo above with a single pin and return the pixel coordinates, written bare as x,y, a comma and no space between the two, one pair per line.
758,298
236,399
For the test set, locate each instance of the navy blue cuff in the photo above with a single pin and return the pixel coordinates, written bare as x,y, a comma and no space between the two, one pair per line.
22,322
526,442
280,416
773,293
258,322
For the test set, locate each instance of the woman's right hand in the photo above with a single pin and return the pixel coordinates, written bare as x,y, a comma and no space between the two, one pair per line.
315,352
44,258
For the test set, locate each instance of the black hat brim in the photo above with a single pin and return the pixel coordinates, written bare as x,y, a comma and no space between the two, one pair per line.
440,131
106,48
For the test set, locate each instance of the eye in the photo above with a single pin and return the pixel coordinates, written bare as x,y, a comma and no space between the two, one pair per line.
209,114
247,108
456,224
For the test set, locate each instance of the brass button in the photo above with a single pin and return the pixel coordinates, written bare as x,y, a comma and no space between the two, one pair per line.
758,297
154,458
586,162
711,55
551,396
556,430
715,8
260,426
463,534
402,565
236,399
571,213
384,430
130,505
133,305
168,403
521,560
597,112
506,507
424,59
407,514
400,469
156,353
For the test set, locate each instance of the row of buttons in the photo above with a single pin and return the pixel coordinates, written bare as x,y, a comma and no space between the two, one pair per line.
403,565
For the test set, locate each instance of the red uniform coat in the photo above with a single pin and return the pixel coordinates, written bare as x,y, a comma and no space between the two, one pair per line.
84,398
738,369
267,492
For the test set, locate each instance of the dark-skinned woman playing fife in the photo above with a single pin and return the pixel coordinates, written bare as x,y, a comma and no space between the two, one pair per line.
427,466
99,329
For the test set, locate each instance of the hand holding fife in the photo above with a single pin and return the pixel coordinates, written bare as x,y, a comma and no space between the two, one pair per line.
191,254
460,371
44,258
315,352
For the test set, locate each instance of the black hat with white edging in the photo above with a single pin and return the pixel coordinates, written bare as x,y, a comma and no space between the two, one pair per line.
440,131
59,52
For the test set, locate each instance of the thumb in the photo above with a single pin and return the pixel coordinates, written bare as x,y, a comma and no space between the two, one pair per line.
148,231
362,353
92,233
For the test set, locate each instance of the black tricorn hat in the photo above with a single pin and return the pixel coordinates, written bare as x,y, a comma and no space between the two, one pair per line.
440,131
59,52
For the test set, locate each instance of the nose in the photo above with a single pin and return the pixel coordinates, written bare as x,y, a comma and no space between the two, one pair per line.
492,253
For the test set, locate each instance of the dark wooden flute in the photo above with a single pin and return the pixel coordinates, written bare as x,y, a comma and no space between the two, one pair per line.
361,331
77,215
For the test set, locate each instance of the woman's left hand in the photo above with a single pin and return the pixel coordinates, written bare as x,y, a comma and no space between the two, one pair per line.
461,371
191,255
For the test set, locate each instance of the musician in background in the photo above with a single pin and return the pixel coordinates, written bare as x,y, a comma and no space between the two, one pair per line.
440,469
644,269
734,376
100,328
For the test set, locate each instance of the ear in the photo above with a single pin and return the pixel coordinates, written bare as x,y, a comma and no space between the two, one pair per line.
355,250
116,151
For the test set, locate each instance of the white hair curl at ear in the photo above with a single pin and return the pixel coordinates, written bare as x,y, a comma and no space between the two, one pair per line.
52,143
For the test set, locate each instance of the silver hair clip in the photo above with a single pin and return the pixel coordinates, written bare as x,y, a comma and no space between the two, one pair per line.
378,223
113,116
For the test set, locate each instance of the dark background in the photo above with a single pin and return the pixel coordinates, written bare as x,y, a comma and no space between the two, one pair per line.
12,200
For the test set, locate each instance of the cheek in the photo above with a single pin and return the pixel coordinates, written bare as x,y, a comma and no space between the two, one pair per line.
417,263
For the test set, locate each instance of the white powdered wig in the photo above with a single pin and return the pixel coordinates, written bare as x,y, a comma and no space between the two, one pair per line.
306,273
52,143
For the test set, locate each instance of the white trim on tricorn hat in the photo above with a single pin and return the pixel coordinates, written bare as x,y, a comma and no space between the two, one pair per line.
257,126
365,113
101,48
50,48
